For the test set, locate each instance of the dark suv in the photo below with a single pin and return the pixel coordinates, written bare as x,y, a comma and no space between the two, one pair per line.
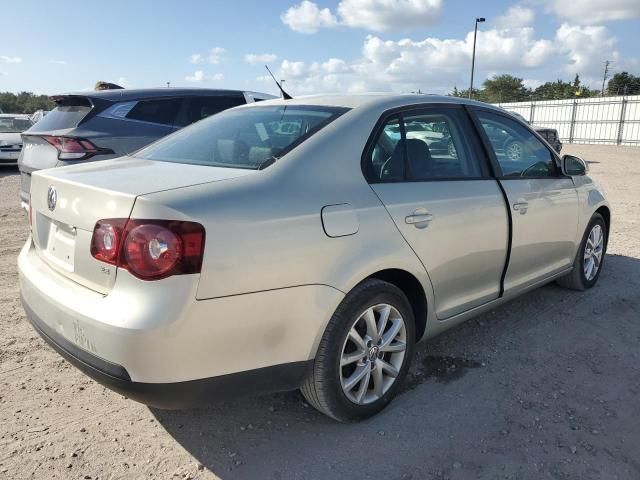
111,123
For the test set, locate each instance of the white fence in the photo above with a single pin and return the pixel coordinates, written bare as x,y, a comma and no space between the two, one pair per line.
608,120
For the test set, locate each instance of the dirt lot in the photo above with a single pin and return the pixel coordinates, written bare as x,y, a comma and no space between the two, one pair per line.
547,386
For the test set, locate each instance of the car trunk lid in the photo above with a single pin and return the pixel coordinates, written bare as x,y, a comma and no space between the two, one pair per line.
67,202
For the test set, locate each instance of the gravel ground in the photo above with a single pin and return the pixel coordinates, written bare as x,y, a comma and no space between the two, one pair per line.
546,386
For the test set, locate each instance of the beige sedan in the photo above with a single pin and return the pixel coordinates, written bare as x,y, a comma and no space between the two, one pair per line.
304,243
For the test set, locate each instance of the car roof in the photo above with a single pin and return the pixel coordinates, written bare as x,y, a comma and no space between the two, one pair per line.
384,101
126,94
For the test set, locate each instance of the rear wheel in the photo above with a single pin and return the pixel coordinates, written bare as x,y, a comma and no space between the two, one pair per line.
588,262
364,354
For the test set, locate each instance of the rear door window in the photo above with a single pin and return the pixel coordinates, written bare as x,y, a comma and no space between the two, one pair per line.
387,157
425,144
161,111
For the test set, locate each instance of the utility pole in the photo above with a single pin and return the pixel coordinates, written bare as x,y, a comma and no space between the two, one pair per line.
604,79
473,56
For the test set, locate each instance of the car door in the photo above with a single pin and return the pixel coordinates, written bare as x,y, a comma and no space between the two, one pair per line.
543,202
439,194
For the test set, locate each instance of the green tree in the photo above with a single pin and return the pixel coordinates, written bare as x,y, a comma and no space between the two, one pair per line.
24,102
623,84
505,88
477,94
560,90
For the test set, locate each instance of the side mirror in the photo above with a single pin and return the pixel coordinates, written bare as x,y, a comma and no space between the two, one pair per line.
574,166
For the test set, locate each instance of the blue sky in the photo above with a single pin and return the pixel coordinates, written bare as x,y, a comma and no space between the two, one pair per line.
351,45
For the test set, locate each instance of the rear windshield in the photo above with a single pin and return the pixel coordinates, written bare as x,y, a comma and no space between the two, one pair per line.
14,124
242,138
68,114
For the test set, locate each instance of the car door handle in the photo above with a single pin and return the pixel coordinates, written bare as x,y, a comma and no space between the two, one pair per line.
521,206
419,218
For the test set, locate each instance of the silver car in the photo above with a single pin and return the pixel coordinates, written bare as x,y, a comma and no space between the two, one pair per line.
10,141
303,243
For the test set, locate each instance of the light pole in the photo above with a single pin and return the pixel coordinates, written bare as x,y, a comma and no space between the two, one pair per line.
473,56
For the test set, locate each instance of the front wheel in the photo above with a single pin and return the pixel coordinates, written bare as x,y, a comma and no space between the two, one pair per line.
588,262
364,354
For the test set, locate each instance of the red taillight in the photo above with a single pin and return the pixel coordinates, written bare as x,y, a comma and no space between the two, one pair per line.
149,249
105,243
70,148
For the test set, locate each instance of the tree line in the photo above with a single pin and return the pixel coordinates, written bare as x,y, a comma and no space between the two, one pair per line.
24,102
498,89
507,88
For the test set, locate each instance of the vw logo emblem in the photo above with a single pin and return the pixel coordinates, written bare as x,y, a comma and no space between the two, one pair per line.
52,197
373,353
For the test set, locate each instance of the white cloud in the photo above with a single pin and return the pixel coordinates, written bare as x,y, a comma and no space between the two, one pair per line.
437,64
7,59
308,18
516,17
382,15
59,62
260,57
587,47
376,15
3,74
213,56
199,76
595,11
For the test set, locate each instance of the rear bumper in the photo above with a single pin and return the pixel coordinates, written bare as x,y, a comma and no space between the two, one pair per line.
174,395
155,343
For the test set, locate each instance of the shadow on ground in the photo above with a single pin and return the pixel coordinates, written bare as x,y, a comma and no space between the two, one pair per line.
546,385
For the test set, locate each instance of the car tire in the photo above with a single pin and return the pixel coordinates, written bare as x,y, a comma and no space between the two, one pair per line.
326,387
580,277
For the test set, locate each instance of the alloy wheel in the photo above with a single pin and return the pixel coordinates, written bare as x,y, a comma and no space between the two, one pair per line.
593,251
373,354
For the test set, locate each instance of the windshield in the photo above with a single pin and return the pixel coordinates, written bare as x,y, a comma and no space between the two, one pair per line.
242,138
14,124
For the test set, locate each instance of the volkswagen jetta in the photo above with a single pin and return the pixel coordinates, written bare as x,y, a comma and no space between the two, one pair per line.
305,243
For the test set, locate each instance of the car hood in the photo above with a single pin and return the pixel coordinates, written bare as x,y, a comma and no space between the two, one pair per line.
136,176
10,139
